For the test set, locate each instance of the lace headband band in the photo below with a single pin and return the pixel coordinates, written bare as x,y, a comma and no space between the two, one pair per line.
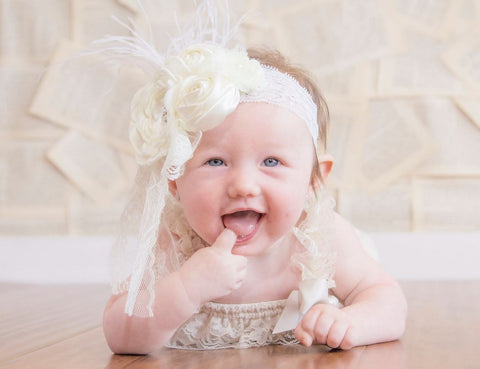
283,90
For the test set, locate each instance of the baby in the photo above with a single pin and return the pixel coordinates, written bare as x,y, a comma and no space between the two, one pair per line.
239,244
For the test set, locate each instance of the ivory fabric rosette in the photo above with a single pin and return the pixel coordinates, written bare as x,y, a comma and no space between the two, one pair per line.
194,92
147,131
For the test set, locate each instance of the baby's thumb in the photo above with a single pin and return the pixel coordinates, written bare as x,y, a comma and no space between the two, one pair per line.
226,240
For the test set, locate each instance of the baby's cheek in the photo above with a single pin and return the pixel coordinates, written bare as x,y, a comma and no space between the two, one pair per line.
291,218
207,228
297,208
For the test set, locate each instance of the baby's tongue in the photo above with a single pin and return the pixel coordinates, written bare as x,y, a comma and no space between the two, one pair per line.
241,222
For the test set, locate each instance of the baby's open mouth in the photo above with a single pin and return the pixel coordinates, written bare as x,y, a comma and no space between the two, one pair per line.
243,223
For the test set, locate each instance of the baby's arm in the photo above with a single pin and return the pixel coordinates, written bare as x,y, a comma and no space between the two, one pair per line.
375,307
211,273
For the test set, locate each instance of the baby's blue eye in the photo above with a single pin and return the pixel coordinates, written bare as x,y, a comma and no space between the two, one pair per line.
215,162
271,162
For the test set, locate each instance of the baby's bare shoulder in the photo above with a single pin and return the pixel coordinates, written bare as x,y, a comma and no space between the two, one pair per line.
355,268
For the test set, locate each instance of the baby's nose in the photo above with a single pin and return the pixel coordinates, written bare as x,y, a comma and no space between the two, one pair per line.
243,183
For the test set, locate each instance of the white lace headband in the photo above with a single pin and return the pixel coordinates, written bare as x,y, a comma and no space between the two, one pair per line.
192,88
283,90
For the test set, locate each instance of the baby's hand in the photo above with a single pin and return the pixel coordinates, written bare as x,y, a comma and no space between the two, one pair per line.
326,325
213,272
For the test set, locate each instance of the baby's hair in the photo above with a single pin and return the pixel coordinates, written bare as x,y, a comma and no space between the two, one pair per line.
275,59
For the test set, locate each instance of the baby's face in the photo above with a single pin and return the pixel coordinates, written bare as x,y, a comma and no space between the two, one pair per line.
250,174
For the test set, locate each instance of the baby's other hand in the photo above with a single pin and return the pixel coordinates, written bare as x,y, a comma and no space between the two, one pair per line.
326,325
213,272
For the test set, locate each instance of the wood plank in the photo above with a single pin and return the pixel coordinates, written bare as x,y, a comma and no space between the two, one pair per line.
33,317
84,350
443,324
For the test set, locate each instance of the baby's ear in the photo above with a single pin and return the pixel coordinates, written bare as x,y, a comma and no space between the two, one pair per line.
325,162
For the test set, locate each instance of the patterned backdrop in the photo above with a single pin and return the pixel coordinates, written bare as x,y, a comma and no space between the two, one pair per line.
401,77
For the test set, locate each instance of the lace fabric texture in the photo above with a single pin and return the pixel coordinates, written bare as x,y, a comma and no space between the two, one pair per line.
283,90
218,326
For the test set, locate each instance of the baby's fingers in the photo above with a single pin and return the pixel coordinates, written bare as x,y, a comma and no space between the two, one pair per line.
240,268
303,336
226,240
242,263
326,325
322,328
305,331
337,334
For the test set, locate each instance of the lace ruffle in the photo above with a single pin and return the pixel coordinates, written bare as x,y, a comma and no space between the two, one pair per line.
218,326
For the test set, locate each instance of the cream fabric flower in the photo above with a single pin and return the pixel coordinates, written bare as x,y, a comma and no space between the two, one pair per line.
148,130
194,92
193,59
201,102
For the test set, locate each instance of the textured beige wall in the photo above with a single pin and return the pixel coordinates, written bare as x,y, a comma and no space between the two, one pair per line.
402,78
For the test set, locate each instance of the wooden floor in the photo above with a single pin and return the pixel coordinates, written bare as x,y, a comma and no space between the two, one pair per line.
60,327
